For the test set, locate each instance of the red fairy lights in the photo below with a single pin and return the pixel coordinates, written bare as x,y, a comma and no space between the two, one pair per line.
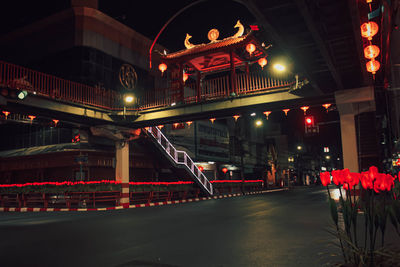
70,183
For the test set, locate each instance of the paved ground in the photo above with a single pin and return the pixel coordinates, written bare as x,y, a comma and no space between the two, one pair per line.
276,229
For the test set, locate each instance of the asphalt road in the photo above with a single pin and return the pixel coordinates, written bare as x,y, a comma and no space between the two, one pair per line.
276,229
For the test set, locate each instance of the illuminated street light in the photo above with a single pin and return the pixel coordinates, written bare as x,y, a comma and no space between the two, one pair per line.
258,123
253,114
22,94
279,67
328,157
129,98
299,147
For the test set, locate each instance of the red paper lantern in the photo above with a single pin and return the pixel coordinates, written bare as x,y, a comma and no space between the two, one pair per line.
305,108
201,168
250,48
326,106
224,170
162,67
286,111
373,66
6,113
371,51
267,113
262,62
369,29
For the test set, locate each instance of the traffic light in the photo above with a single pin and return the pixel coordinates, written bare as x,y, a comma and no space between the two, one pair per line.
309,125
13,93
309,121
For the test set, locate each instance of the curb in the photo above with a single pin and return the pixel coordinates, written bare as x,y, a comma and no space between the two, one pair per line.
153,204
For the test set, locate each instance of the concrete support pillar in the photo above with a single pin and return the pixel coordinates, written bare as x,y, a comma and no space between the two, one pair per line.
351,103
122,170
349,142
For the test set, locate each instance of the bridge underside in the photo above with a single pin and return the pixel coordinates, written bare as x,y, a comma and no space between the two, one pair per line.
87,115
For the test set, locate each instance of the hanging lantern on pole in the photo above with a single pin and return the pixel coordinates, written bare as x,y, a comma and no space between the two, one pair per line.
236,117
267,113
224,170
212,120
160,126
162,67
326,106
262,62
369,29
305,108
373,66
371,51
55,122
286,111
250,48
189,123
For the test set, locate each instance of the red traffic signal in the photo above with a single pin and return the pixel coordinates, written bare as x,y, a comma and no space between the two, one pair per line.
309,120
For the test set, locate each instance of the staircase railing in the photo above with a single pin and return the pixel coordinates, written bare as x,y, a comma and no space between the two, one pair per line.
180,158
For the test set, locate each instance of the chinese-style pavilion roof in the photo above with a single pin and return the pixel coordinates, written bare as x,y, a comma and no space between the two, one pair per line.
216,54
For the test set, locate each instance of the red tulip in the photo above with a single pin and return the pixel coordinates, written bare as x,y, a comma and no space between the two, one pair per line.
346,186
366,180
337,177
373,172
354,178
380,183
389,182
325,178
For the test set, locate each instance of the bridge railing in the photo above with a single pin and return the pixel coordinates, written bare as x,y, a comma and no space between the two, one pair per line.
46,85
59,89
214,88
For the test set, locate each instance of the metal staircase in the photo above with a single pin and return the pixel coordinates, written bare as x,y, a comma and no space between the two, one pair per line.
179,158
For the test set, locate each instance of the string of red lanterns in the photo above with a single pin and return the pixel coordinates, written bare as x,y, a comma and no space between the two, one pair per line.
369,30
266,113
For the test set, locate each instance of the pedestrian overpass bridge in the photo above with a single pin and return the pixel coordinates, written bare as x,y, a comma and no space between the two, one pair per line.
103,110
51,96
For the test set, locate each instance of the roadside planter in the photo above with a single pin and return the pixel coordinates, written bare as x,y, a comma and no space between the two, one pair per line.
108,192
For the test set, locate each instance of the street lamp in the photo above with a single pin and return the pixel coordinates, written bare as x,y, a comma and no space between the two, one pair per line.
258,123
299,148
129,98
279,67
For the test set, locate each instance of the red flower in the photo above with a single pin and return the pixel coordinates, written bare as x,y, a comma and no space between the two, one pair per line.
382,183
353,178
346,186
325,178
366,180
389,182
373,172
337,177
